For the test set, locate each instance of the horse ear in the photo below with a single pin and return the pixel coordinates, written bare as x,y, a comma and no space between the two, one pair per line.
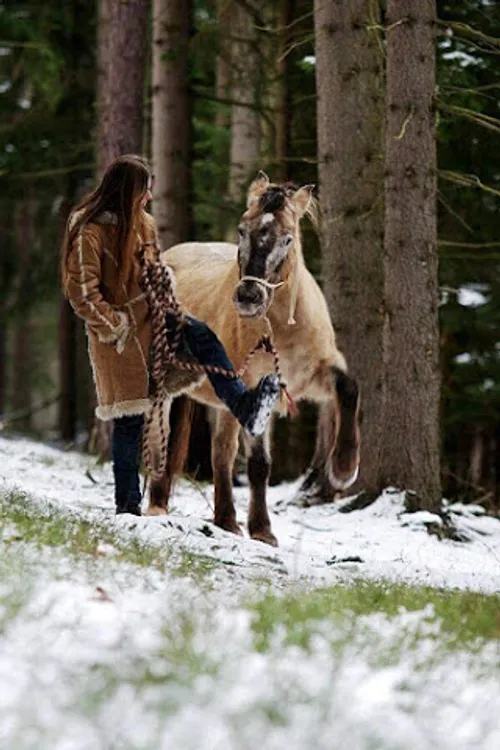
257,187
302,197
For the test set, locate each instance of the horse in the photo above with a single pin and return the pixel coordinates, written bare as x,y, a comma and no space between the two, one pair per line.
243,291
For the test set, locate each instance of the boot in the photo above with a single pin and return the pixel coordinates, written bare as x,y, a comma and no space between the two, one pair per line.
254,407
130,503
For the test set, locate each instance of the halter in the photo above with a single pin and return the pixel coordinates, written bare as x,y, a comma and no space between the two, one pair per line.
269,285
263,282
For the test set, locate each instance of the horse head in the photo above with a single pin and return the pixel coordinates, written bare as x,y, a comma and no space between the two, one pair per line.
269,247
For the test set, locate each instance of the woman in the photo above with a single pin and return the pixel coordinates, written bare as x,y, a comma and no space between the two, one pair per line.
100,273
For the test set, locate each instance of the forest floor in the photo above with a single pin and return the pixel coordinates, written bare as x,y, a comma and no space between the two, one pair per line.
361,631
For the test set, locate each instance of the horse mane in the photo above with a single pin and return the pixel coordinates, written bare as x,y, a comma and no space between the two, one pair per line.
313,213
274,198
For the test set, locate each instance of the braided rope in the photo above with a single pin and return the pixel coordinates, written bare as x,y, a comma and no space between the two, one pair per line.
156,283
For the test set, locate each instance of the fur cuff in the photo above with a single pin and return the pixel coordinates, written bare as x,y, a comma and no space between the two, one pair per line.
118,335
122,331
123,409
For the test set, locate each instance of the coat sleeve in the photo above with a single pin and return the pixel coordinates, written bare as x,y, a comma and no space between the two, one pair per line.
83,291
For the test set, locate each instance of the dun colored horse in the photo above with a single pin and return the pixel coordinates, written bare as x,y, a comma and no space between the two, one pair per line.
241,293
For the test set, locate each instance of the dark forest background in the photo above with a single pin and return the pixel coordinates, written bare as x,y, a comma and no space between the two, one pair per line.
244,77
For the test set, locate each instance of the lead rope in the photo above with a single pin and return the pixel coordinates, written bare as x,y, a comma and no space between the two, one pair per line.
156,284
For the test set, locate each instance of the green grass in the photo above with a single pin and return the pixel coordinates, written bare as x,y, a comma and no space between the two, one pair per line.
466,618
200,649
47,526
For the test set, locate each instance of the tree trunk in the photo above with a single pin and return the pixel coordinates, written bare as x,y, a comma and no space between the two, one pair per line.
67,371
409,448
121,56
349,77
245,126
21,399
283,104
171,120
223,62
103,92
476,461
223,114
122,76
3,363
76,18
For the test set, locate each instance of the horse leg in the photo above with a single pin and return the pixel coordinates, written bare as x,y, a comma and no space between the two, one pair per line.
160,484
224,450
259,469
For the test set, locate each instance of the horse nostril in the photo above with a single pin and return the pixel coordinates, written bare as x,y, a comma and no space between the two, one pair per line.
249,295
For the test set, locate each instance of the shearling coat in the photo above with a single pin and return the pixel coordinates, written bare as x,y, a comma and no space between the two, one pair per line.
118,325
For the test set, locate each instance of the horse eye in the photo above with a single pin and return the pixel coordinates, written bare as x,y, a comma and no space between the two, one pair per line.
241,231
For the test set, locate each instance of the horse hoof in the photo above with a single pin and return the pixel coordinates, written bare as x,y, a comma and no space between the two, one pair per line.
265,536
233,528
154,510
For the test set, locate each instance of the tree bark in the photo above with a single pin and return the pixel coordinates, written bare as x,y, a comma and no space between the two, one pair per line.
76,19
121,40
223,61
21,399
349,76
283,104
171,120
103,92
410,444
223,115
245,125
123,77
67,371
3,363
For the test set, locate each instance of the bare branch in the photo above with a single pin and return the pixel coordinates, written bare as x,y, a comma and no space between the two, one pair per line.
486,121
467,180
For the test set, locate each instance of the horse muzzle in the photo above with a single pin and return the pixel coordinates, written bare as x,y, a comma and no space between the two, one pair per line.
251,299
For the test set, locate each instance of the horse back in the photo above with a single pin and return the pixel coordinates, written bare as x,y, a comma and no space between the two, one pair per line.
205,275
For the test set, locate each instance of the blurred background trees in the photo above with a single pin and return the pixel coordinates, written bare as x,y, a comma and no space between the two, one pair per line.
218,89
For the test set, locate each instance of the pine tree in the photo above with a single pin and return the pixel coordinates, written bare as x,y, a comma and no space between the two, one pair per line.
171,120
350,88
410,439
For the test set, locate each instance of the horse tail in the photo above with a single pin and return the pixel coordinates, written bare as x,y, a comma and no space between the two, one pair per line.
180,429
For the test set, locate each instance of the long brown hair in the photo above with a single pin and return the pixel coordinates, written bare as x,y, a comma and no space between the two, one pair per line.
120,192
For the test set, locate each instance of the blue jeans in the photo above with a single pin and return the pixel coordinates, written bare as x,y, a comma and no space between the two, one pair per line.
126,450
204,345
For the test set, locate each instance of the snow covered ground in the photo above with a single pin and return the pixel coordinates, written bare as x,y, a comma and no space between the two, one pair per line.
314,542
103,655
